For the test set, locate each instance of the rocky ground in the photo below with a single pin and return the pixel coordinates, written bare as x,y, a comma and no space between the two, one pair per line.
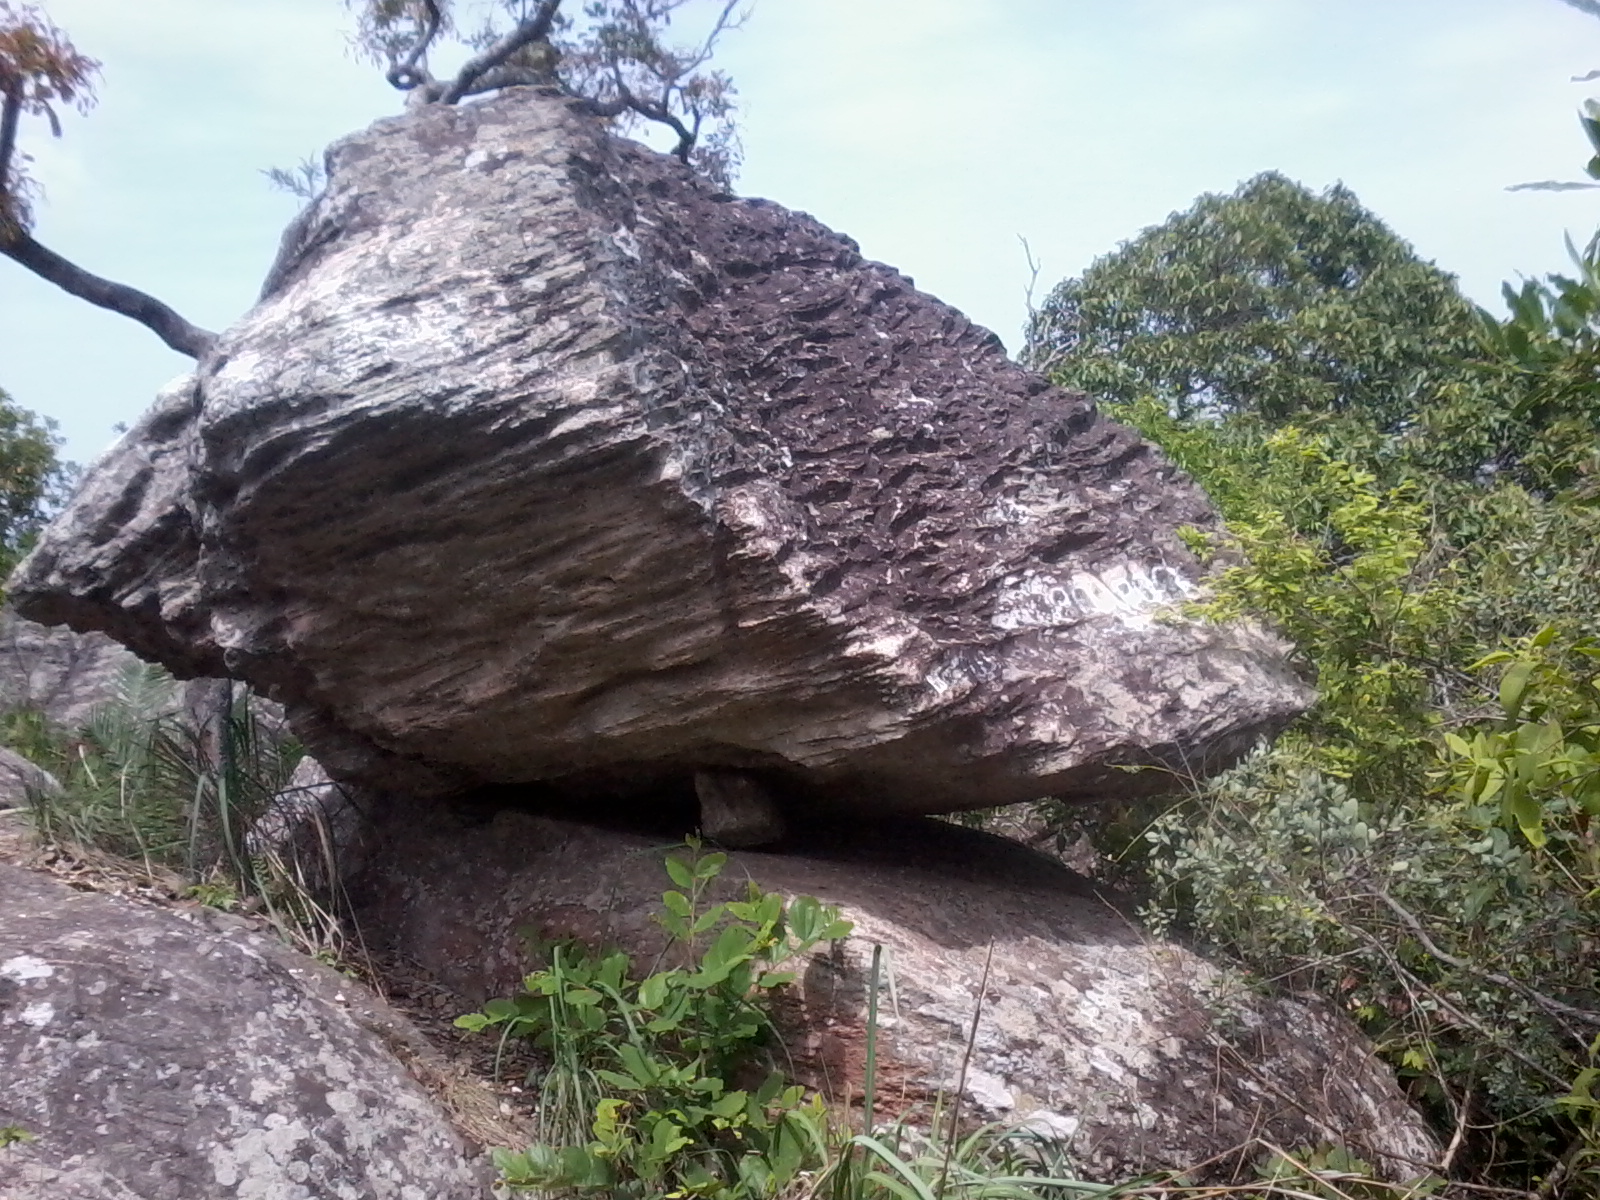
477,1083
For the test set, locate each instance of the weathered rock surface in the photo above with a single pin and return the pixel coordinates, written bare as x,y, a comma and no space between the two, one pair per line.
22,780
1135,1050
542,459
154,1058
56,672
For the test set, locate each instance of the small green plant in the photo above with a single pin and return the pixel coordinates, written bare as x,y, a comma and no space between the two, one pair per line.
140,783
12,1135
214,894
643,1094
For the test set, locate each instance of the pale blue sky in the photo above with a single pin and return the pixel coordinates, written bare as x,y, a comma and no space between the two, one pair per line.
934,132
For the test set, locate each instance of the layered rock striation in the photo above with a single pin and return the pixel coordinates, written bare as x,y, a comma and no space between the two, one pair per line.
540,459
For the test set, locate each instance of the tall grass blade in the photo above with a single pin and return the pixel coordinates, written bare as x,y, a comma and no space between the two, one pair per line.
869,1089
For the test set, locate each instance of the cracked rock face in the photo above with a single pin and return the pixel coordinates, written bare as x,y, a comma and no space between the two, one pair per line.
1133,1050
153,1057
542,460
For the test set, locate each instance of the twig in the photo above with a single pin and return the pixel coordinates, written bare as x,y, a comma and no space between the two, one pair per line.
1463,1109
1549,1003
1444,1003
407,73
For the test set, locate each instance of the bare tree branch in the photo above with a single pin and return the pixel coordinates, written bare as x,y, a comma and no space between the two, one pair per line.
60,73
407,73
660,113
9,116
1549,1003
537,29
130,302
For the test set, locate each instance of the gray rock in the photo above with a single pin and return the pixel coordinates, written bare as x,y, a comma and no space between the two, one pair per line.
542,460
56,672
157,1058
22,780
1135,1050
315,824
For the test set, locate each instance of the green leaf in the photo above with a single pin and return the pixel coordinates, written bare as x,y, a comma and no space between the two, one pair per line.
1529,816
1513,686
730,1104
680,872
643,1069
653,991
708,920
710,866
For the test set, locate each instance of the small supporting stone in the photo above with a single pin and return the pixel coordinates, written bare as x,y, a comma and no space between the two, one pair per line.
737,810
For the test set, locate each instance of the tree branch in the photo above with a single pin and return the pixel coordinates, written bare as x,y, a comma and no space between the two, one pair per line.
407,73
1549,1003
525,34
9,116
130,302
659,113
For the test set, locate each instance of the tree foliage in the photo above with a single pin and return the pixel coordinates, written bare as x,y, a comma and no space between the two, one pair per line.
1272,302
39,70
1409,494
32,479
612,53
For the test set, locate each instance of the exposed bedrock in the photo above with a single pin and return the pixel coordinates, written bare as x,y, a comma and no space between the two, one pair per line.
542,460
1132,1049
150,1055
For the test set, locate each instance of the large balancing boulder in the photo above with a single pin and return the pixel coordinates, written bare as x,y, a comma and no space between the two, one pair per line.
541,459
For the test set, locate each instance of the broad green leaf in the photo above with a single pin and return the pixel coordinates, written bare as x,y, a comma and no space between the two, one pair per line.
653,991
680,871
1513,684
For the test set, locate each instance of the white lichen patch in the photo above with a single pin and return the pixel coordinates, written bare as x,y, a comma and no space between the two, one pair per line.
256,1162
1130,593
989,1090
25,967
38,1015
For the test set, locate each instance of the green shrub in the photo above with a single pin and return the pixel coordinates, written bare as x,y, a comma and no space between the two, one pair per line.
642,1094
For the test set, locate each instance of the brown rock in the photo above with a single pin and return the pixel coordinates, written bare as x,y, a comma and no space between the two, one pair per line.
1134,1050
737,809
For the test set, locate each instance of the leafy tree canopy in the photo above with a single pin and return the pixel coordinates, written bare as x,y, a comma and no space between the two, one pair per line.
1409,488
31,478
1273,302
